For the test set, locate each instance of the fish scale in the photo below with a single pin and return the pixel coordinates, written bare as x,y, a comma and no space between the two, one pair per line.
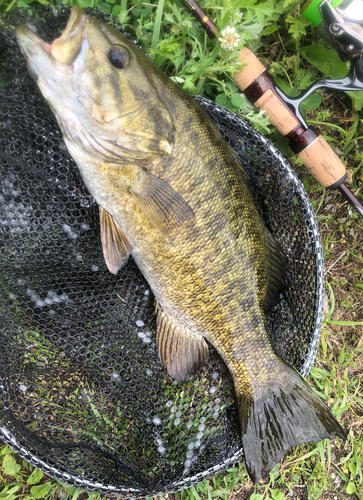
172,194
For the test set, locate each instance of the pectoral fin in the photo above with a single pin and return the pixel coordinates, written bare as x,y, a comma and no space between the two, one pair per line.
164,207
180,352
115,243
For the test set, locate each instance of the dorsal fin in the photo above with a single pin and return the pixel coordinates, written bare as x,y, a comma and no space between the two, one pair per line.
275,272
180,352
116,245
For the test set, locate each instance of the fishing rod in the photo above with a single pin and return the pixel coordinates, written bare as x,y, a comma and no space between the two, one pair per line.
259,87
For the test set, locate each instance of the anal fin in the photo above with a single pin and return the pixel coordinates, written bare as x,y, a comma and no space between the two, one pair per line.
180,352
115,244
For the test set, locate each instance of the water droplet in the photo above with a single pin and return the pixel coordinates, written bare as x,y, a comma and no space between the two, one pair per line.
201,427
94,268
146,340
213,389
177,421
115,375
187,463
157,421
139,322
189,424
23,387
189,454
149,373
199,435
161,449
215,375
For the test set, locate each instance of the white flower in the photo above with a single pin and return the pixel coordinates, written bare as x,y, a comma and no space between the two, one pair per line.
229,38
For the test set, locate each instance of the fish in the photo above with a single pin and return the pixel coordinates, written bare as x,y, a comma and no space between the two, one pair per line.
172,194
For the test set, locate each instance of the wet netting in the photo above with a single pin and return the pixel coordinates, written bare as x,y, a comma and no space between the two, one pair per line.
82,393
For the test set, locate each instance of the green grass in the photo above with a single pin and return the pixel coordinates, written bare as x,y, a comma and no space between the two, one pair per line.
276,32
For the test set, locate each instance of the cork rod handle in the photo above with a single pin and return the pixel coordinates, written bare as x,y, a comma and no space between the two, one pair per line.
318,157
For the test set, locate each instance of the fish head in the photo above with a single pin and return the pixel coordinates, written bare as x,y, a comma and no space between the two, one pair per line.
101,89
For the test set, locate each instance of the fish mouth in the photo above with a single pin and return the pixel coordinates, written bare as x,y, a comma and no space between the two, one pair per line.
65,54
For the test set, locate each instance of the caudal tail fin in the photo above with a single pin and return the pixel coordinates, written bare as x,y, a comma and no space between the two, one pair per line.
284,417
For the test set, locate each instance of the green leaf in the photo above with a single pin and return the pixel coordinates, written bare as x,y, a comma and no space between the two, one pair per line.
257,497
277,494
11,468
238,101
8,494
357,99
310,103
41,490
35,476
324,60
105,7
116,10
352,468
350,488
221,99
270,29
298,25
7,451
285,87
84,3
230,106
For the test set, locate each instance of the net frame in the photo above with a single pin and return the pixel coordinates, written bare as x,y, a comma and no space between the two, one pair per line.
278,194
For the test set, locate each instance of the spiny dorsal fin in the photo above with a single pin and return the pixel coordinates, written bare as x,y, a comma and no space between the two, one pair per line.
180,352
275,272
238,160
164,207
115,244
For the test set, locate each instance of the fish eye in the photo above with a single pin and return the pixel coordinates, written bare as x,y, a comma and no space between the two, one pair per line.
118,57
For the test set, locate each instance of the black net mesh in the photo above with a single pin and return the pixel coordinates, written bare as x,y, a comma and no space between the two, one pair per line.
82,392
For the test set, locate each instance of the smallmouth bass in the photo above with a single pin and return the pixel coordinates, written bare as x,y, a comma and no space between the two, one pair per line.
172,194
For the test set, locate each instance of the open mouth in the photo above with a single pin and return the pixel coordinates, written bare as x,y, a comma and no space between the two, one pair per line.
64,51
